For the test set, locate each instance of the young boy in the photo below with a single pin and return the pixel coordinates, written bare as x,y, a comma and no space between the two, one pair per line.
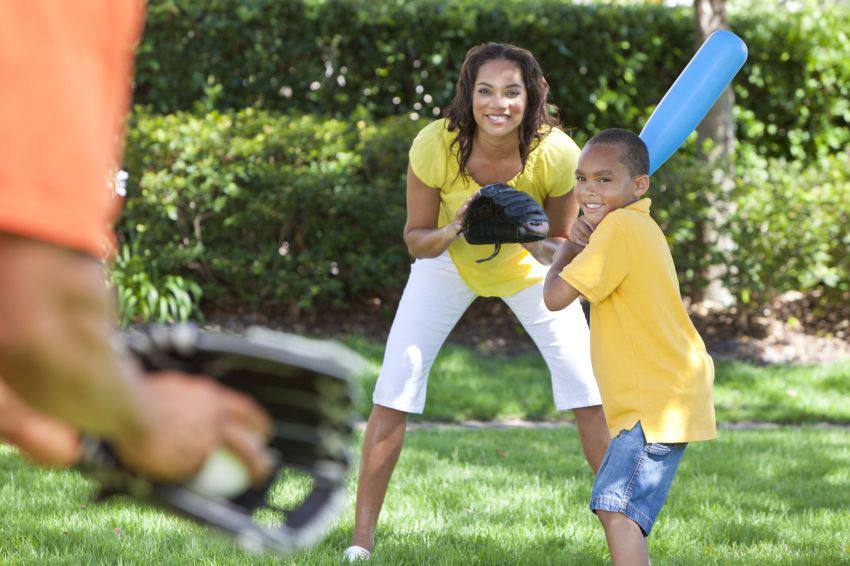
651,365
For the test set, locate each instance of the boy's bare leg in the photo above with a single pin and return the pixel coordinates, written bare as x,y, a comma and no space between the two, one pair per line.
593,434
382,445
625,539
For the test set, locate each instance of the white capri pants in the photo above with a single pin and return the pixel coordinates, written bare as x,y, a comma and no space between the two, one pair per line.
433,301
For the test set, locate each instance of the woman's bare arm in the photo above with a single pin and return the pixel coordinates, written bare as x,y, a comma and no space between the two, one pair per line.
421,234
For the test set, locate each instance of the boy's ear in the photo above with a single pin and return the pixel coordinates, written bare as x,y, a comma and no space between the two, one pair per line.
641,185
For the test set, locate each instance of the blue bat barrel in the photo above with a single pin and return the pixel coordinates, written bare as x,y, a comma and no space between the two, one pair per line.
693,94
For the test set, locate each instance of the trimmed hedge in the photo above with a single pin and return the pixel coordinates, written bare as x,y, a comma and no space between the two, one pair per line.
607,64
267,158
269,211
272,212
790,228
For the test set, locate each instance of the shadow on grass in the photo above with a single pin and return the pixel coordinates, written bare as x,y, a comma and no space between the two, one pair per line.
467,385
446,549
782,471
771,489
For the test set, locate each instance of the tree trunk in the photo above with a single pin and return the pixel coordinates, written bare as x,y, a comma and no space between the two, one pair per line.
716,139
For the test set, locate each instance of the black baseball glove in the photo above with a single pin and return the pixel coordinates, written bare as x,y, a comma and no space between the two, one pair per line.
500,214
302,383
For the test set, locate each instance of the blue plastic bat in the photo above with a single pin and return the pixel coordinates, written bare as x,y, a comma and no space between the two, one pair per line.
693,94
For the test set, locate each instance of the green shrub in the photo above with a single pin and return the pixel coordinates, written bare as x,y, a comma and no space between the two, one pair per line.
273,212
607,64
793,95
279,212
679,191
269,211
146,295
789,228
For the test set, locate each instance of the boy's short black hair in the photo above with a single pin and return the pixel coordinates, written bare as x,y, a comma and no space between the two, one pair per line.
633,152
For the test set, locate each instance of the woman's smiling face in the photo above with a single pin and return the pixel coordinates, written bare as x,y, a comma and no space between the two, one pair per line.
499,97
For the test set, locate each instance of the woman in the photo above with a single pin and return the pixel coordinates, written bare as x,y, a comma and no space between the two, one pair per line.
497,130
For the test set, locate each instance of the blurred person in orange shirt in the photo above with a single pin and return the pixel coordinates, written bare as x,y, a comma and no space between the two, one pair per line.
65,72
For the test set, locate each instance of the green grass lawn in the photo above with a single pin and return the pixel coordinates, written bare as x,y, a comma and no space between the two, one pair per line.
466,385
489,496
512,496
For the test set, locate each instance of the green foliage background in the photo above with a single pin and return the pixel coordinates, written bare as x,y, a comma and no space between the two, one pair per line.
267,153
607,64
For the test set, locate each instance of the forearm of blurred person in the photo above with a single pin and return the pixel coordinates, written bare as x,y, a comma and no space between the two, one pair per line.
45,440
56,326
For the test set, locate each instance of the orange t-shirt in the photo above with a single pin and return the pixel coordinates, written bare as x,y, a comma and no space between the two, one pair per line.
65,74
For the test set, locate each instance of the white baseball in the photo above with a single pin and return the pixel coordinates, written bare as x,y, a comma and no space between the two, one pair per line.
223,475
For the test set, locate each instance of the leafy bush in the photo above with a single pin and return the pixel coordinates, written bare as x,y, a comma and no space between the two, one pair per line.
269,211
789,228
793,96
274,212
145,295
607,64
680,204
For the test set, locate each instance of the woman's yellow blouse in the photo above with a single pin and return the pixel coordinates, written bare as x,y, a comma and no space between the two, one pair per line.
549,171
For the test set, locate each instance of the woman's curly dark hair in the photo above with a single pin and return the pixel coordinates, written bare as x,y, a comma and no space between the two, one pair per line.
538,112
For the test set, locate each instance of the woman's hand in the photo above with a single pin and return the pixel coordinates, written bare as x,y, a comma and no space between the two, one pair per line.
455,227
561,211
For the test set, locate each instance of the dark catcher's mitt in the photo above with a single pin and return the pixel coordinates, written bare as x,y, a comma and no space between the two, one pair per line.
500,214
302,383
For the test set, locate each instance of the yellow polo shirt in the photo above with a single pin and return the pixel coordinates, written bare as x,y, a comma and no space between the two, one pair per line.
649,360
549,171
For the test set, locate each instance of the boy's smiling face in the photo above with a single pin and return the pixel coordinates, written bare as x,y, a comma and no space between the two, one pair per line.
603,182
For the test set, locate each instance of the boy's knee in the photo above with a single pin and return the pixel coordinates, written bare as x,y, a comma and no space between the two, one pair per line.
615,520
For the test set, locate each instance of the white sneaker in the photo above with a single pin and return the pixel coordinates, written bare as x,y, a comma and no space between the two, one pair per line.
355,553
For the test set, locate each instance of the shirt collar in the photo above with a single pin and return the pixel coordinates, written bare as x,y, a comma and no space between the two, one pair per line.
641,205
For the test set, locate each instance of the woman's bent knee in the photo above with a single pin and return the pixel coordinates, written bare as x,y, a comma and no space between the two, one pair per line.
591,413
380,411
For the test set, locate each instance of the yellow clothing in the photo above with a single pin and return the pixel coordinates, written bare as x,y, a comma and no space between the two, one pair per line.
649,360
549,171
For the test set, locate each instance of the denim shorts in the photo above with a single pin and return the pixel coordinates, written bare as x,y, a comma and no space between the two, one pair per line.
635,476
